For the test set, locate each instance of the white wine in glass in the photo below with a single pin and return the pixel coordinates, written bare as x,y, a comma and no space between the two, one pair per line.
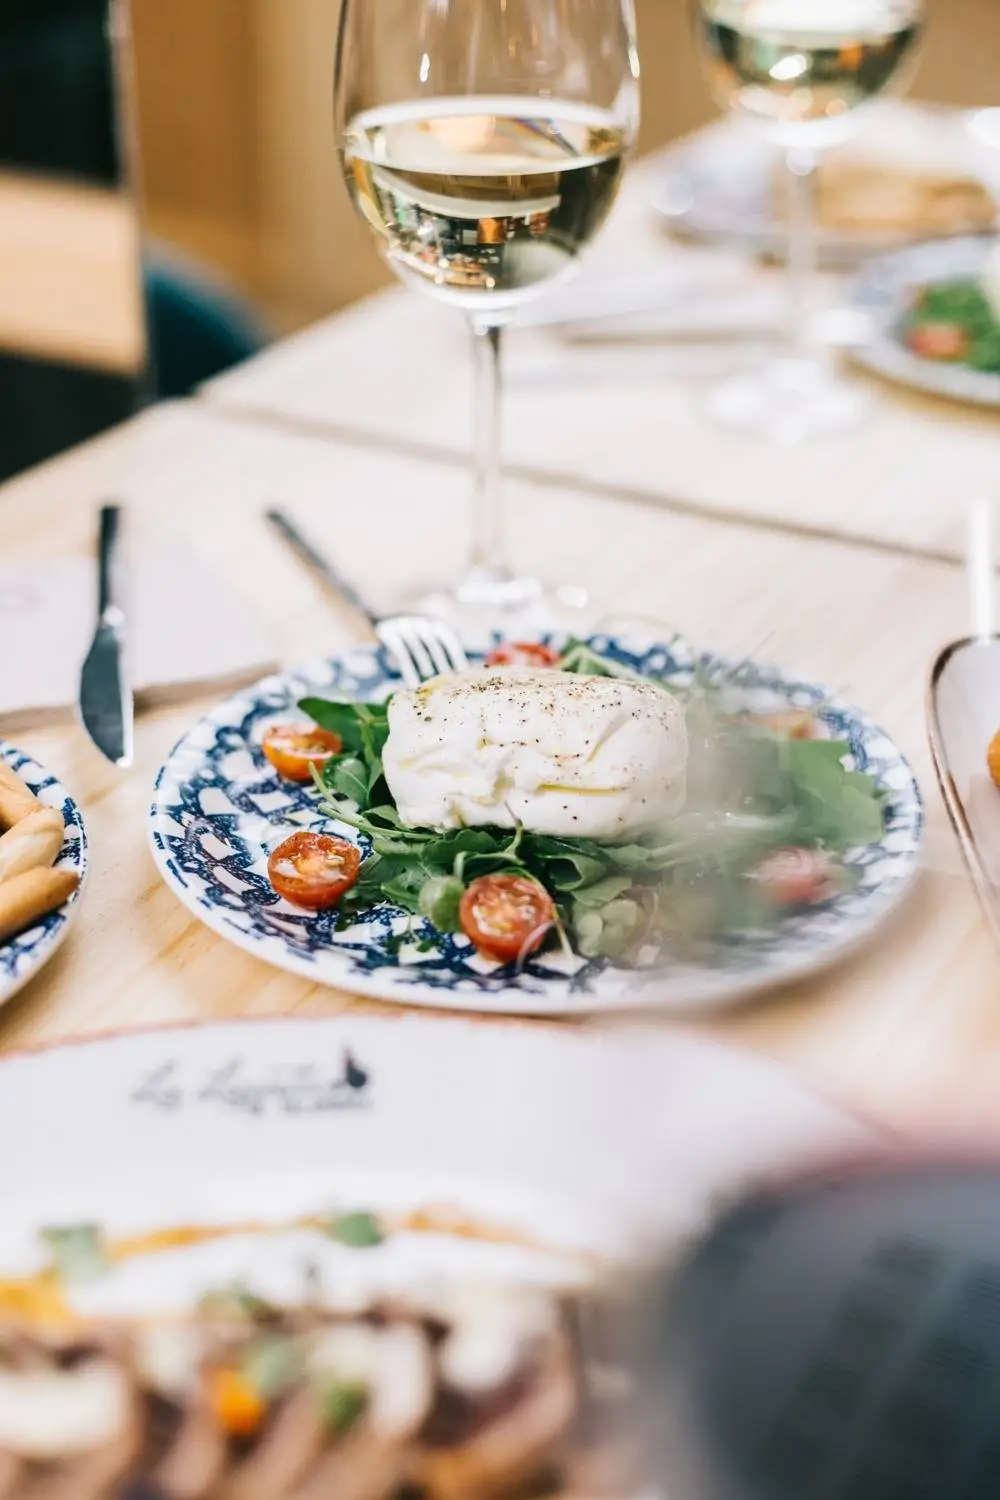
483,142
802,70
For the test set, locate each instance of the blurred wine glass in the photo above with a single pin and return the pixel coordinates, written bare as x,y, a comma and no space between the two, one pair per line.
802,70
483,142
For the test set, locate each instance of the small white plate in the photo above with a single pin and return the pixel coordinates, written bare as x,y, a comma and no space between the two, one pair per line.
883,295
23,956
578,1142
218,809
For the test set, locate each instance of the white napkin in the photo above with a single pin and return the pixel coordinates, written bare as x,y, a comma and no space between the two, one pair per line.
187,632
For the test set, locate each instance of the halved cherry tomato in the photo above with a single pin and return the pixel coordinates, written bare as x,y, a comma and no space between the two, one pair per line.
314,869
943,341
523,654
795,877
293,749
793,724
507,917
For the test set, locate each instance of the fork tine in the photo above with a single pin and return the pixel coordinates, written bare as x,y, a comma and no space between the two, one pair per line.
432,640
452,646
392,639
413,636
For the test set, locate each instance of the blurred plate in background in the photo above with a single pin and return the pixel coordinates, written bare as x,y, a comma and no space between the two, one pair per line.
722,185
884,295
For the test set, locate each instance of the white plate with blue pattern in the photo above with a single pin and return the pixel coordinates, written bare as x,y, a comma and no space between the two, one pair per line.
23,956
884,293
219,808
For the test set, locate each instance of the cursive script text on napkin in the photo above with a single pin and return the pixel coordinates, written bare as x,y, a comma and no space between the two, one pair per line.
307,1088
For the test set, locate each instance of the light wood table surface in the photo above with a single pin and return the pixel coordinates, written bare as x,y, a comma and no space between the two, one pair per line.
630,418
908,1031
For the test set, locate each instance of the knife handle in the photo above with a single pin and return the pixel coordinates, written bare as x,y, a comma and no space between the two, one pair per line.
109,536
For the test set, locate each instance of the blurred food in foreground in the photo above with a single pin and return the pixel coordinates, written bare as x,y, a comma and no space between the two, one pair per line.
333,1356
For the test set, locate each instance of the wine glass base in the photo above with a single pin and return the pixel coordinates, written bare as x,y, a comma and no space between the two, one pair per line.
483,604
790,401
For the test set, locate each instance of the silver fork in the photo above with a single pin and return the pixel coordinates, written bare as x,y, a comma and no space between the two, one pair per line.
421,646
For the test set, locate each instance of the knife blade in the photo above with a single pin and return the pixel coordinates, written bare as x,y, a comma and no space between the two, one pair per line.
106,703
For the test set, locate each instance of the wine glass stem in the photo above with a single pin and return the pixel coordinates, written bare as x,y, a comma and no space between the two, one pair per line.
489,547
802,253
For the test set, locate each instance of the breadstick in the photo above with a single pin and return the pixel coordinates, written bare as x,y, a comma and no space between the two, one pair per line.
27,898
17,800
32,844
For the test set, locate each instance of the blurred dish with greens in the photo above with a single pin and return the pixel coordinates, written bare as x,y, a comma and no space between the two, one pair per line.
933,313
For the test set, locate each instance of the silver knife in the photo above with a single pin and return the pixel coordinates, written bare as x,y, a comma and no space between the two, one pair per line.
106,705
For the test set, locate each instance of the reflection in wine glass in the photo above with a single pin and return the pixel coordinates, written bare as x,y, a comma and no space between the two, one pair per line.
483,141
802,70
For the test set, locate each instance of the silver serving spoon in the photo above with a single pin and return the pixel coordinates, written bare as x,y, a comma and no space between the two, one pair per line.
963,715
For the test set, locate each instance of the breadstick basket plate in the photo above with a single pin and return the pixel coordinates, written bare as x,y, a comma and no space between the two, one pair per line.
30,948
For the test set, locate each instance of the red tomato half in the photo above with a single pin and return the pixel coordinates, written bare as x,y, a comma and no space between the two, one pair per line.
795,724
795,877
293,749
507,917
523,654
941,341
314,869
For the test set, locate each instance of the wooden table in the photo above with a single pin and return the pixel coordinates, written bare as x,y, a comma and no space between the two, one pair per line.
908,1031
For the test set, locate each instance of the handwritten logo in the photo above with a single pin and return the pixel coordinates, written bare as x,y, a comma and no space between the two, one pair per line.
292,1089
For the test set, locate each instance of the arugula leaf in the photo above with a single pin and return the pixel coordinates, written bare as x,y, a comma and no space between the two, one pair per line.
602,892
342,719
363,728
439,901
349,777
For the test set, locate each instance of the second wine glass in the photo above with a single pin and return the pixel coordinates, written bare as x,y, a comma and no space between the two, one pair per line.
483,141
801,70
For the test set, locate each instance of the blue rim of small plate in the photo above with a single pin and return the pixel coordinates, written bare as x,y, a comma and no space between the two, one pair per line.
24,955
218,807
883,293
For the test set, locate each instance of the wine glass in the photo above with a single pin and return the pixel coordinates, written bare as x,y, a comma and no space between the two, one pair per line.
802,70
484,141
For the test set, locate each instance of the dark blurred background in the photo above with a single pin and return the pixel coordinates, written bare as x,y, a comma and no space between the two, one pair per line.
249,230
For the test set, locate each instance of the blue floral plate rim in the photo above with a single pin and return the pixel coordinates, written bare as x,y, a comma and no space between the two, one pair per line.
23,956
218,807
